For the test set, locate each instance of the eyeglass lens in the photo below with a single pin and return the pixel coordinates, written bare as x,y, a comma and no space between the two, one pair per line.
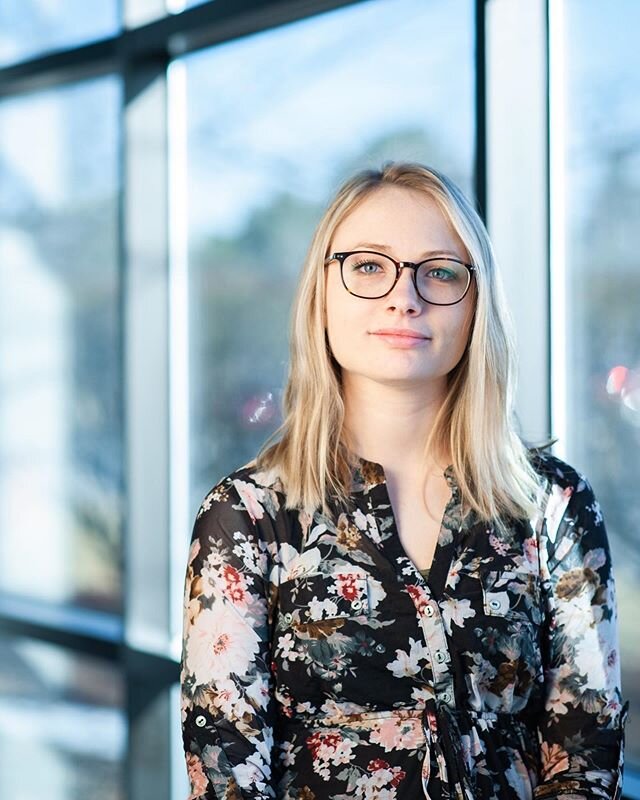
438,280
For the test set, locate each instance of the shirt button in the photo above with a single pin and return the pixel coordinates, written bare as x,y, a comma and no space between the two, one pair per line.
288,617
440,656
429,611
201,721
446,697
356,604
494,604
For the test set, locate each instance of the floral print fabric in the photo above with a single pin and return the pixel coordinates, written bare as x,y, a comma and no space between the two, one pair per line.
318,662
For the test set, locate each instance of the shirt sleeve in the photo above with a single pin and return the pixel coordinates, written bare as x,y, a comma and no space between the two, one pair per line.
581,729
227,706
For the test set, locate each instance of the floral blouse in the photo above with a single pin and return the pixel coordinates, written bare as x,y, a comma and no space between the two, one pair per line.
318,662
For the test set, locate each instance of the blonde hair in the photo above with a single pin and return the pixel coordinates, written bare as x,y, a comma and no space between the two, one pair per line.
475,422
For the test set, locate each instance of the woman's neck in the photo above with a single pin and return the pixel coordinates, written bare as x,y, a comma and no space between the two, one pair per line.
388,426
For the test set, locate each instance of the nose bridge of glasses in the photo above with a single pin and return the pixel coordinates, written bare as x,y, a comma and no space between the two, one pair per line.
413,271
411,266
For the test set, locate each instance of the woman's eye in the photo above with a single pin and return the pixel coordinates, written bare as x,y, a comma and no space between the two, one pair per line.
445,274
366,264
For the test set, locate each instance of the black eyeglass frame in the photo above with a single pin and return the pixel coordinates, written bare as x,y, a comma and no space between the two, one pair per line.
399,265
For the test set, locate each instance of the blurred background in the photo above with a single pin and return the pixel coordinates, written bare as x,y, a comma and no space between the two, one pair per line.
162,167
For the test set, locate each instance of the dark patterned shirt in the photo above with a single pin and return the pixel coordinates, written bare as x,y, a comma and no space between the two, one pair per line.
318,663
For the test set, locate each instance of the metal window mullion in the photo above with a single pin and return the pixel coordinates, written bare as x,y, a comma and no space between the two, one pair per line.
146,337
517,191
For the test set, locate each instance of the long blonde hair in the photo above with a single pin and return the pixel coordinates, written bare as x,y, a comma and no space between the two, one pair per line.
476,421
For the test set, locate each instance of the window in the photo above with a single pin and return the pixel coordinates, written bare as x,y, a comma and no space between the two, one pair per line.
595,196
62,723
61,470
30,29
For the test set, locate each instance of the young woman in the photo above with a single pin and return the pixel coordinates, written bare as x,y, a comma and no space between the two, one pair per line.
399,598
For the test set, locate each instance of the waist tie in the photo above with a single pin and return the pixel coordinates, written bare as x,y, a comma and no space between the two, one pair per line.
445,743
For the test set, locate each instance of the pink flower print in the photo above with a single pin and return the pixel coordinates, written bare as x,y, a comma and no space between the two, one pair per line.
193,551
251,496
231,575
382,774
219,643
235,586
347,587
554,759
398,775
419,596
556,506
531,553
398,734
197,777
328,745
500,546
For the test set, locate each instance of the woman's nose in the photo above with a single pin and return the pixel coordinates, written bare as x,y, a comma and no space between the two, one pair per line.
405,288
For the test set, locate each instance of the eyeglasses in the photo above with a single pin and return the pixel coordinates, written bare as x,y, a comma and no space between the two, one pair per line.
442,281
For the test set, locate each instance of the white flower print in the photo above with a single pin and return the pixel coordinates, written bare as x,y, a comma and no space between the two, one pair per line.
287,647
407,664
259,691
578,614
558,502
360,520
220,643
597,656
422,693
559,699
322,609
367,523
287,756
294,564
227,696
454,575
456,611
253,560
596,511
254,772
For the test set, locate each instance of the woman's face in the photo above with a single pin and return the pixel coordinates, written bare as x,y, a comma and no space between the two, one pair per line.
409,226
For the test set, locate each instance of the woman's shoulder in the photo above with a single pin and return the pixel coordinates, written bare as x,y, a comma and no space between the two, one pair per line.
568,491
555,470
245,490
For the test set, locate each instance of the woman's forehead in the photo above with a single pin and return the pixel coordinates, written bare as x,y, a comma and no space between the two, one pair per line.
398,217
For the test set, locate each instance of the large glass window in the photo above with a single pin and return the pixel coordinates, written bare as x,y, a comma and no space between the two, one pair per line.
596,274
275,122
36,27
62,724
61,464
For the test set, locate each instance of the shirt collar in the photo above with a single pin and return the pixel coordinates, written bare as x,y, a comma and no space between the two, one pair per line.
365,475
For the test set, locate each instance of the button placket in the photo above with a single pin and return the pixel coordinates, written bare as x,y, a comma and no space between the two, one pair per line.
433,631
431,623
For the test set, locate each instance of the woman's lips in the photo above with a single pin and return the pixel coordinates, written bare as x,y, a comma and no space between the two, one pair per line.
402,341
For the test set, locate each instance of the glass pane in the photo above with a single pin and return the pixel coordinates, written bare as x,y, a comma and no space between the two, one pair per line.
176,6
36,27
602,197
275,121
61,471
62,725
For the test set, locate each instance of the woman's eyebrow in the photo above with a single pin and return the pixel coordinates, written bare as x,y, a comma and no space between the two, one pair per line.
386,248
